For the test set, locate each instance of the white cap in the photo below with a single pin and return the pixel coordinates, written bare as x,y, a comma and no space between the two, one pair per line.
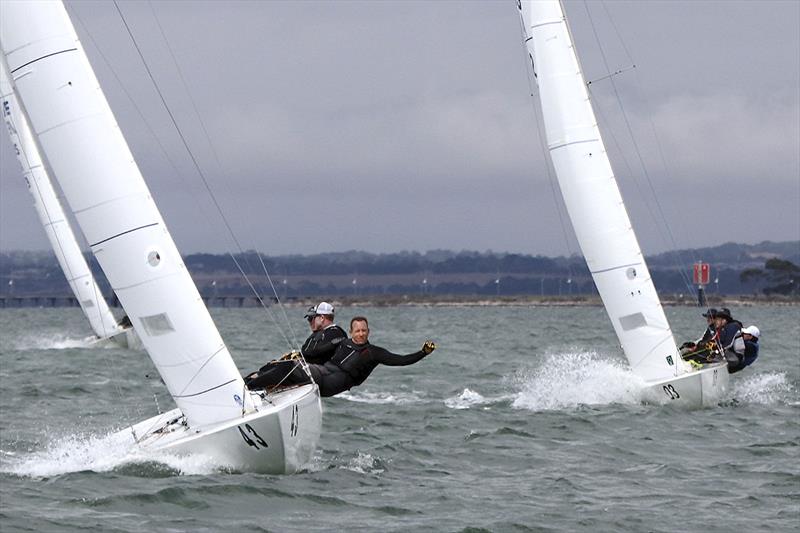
324,308
752,330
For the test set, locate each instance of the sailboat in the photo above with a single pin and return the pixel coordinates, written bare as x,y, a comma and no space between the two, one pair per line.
598,215
54,220
72,123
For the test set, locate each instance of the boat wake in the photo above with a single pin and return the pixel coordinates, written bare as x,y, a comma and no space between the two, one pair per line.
108,453
765,389
56,341
574,379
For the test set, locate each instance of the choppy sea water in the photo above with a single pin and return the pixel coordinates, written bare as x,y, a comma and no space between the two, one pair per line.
524,419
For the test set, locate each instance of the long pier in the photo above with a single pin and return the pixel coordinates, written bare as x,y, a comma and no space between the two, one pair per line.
35,300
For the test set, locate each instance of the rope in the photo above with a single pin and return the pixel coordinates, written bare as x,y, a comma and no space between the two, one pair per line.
664,226
196,165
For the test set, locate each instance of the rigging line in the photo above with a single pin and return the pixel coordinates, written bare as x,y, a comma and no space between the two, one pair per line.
199,172
275,292
153,135
212,147
660,227
658,143
557,199
109,363
144,121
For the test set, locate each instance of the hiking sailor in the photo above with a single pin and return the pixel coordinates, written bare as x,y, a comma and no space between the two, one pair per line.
325,335
353,362
729,339
750,335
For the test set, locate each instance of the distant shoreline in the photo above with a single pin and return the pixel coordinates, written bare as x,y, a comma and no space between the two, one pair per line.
531,301
418,300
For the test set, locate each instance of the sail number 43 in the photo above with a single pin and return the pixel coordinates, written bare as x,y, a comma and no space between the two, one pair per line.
670,391
250,442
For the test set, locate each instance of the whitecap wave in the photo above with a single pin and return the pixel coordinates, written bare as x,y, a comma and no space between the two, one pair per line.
81,453
364,463
574,379
765,389
397,398
465,400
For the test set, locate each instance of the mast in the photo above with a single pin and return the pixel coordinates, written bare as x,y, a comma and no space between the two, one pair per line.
593,198
51,214
105,190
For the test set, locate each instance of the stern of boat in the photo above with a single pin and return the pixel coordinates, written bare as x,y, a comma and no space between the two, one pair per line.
702,387
278,438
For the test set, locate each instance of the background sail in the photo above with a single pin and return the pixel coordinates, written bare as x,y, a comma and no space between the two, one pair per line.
51,214
592,196
112,204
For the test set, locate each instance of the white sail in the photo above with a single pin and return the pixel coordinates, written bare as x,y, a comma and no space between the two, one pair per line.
51,214
592,196
105,190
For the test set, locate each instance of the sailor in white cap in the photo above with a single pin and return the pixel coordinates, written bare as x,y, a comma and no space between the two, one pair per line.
750,334
325,334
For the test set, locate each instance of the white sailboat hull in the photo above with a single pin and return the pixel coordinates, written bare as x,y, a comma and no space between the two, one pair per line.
699,388
279,438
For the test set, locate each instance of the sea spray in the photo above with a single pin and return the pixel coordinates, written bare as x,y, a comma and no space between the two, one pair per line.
100,453
568,380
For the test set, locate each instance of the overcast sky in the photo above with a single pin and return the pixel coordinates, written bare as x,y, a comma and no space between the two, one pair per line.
389,126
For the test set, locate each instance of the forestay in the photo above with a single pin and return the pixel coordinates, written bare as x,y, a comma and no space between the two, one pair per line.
51,214
592,196
112,204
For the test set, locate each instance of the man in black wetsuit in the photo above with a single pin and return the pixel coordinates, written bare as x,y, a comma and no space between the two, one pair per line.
353,362
325,335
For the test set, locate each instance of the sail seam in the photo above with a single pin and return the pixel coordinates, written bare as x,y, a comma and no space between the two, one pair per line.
62,124
123,233
145,282
548,23
614,268
203,392
570,143
44,57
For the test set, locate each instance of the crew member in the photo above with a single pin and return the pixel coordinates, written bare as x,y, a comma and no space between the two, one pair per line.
325,335
353,362
729,339
700,349
750,335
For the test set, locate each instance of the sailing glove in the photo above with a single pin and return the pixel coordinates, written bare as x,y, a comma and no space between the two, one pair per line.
428,347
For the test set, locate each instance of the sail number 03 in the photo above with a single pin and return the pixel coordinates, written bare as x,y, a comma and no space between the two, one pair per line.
670,391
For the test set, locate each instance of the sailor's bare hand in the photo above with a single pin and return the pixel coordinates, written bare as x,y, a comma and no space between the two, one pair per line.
428,347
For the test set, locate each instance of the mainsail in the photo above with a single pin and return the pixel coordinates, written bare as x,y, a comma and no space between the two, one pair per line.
593,198
71,119
51,214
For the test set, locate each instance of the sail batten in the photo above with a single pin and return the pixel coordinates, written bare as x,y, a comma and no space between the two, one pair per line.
592,196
